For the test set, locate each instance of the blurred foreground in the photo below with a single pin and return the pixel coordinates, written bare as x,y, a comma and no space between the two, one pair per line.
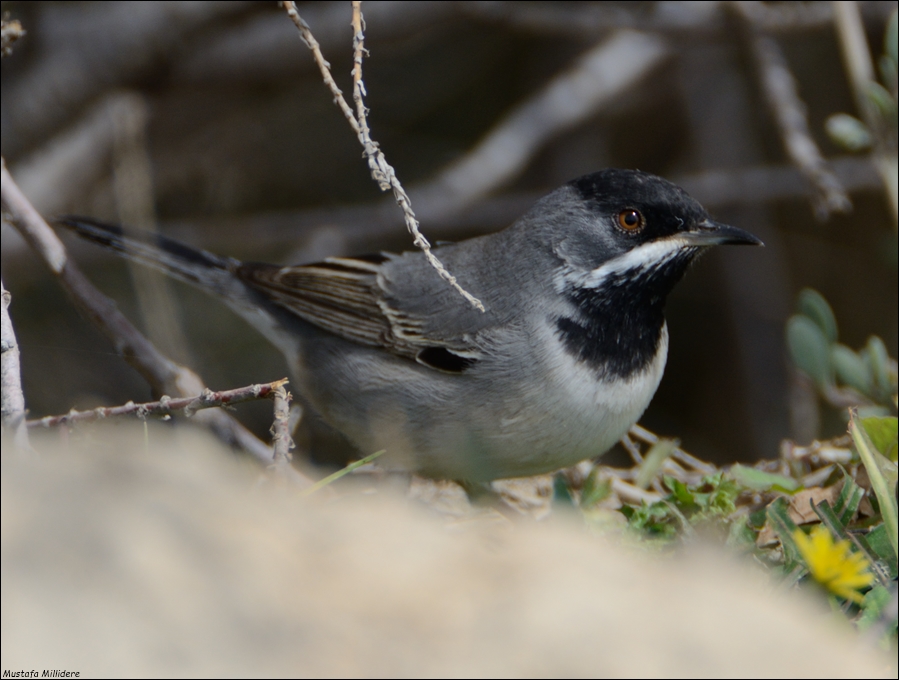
175,559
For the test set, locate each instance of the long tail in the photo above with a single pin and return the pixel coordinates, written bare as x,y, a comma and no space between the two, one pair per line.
198,267
212,273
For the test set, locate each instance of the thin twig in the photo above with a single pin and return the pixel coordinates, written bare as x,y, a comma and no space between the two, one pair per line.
632,494
135,36
66,167
648,437
857,59
359,92
282,442
163,374
790,113
381,171
166,406
632,449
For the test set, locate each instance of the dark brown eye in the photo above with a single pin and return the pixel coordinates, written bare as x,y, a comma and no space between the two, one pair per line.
630,219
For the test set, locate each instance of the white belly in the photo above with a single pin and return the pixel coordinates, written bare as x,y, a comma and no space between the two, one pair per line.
575,416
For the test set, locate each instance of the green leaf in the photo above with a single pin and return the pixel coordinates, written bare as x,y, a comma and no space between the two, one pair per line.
814,306
779,518
849,499
595,490
681,494
809,349
741,535
848,132
882,100
654,520
722,498
829,519
879,541
757,518
882,474
874,607
851,369
883,433
879,363
759,480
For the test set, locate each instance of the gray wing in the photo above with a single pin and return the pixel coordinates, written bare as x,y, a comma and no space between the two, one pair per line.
393,302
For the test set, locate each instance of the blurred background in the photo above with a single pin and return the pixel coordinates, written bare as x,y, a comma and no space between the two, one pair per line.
209,122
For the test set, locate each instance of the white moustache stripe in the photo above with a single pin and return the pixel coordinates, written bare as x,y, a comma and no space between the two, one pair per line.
642,257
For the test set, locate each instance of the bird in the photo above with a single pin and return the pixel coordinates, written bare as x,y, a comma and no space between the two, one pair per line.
565,358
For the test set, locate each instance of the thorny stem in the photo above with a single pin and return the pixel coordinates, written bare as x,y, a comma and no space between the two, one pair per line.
381,171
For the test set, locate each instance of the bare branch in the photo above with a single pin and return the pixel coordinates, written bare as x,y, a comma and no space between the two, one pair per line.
166,406
644,435
282,442
597,78
13,399
860,70
689,18
164,375
790,113
344,230
253,50
63,168
107,45
381,171
359,92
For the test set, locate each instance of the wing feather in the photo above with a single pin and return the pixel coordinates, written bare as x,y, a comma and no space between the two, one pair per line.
343,296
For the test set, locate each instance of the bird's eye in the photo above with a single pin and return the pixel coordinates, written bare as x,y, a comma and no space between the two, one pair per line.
630,219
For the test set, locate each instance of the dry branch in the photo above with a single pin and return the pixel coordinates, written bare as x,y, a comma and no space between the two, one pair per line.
790,114
596,79
166,406
164,375
381,171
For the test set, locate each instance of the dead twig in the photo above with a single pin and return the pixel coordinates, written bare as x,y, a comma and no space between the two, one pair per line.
381,171
860,70
282,442
166,406
163,374
789,112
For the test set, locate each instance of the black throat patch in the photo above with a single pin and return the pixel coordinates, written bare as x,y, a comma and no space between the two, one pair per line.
618,324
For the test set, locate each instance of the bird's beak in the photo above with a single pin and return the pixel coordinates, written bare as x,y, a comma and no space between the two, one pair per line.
709,233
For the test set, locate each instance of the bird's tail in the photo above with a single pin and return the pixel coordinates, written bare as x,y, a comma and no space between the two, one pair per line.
197,267
214,274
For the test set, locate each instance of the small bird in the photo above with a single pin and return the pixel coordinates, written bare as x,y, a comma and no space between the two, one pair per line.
566,357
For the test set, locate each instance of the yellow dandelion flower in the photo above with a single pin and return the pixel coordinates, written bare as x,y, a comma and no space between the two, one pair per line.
832,564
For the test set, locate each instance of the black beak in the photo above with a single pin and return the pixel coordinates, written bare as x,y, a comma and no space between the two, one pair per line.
709,233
